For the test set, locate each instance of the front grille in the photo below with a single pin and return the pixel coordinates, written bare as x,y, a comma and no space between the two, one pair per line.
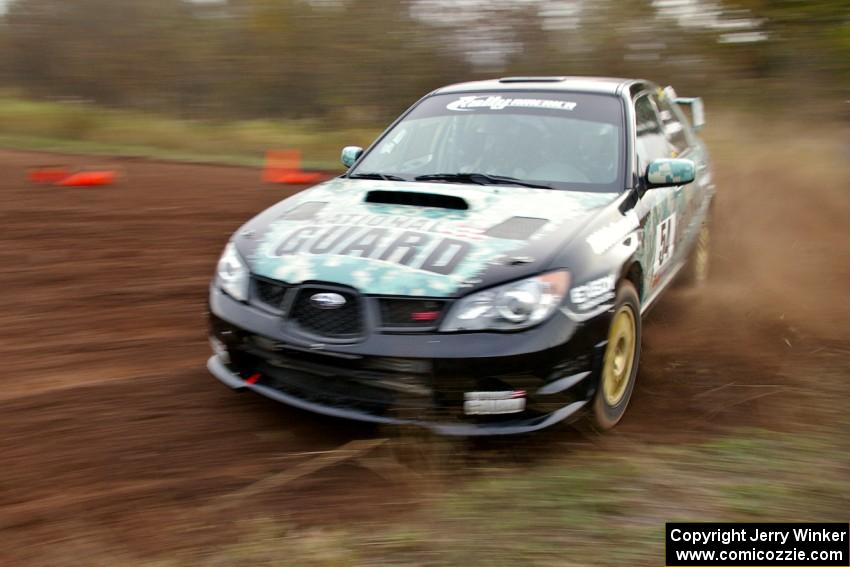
269,292
411,313
344,322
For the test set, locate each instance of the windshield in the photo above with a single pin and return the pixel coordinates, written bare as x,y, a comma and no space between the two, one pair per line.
552,139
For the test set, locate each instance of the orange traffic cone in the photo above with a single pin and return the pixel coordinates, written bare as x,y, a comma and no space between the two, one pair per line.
88,179
48,173
284,166
63,176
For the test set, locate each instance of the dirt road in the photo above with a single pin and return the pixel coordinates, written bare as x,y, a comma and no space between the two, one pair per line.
110,426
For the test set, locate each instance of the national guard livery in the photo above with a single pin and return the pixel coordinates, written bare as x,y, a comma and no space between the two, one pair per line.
482,268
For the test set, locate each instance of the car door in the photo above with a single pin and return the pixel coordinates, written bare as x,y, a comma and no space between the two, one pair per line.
661,206
683,143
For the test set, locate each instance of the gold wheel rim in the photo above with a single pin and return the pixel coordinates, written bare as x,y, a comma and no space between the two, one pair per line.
702,251
619,356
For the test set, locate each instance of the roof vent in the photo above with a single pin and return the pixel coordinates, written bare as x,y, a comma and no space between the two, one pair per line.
417,199
532,79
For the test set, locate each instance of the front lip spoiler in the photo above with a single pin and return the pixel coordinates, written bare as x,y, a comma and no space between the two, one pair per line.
222,373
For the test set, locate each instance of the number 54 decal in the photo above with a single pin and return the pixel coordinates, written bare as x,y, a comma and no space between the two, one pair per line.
665,237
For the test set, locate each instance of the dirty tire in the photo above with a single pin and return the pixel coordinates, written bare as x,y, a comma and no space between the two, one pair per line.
621,358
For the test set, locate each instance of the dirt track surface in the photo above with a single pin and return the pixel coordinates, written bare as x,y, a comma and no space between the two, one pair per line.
111,427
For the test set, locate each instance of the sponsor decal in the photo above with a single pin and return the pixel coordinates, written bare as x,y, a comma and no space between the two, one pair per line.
428,251
593,293
612,233
665,238
496,102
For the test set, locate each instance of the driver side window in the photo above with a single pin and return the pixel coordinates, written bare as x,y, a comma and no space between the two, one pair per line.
673,128
650,141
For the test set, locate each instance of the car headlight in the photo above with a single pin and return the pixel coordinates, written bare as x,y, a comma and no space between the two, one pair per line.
232,273
517,305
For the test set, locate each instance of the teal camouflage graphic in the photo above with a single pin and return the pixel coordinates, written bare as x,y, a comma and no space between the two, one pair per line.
330,233
663,171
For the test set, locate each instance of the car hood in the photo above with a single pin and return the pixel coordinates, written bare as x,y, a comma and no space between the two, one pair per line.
415,239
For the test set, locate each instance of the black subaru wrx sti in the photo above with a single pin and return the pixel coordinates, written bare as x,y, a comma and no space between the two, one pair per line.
482,268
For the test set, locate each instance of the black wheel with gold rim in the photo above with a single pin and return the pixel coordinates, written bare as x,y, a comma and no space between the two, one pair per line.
621,358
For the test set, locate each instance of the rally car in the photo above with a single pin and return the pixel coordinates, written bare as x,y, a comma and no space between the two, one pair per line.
482,268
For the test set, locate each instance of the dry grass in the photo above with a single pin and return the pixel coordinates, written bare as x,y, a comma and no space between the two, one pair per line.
82,128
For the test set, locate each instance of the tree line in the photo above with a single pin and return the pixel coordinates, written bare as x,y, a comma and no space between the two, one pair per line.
362,61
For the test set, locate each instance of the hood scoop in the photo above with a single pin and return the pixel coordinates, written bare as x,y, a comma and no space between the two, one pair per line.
416,199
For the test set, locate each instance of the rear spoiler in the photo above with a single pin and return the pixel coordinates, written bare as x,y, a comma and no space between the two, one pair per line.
694,104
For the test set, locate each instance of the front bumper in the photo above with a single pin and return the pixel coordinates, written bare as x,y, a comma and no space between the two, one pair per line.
413,378
229,378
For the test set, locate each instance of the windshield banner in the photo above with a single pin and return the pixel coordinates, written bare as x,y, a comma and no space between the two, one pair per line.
496,102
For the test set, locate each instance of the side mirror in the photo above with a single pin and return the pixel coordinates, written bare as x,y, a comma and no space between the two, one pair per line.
350,154
670,172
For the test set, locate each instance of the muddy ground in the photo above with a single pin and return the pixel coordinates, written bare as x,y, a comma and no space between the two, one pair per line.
111,427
